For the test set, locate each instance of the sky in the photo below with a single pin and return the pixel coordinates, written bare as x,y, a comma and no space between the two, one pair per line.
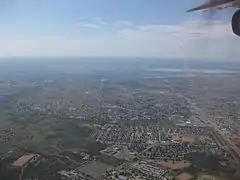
133,28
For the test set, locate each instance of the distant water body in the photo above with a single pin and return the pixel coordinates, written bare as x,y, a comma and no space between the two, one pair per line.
200,71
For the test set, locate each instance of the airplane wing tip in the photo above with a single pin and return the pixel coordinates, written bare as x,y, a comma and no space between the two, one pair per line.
206,6
195,9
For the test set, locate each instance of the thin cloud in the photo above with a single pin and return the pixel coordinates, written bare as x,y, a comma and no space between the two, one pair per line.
100,21
191,39
89,25
124,24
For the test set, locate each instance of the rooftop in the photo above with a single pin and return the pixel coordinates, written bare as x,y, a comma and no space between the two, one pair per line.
95,169
23,160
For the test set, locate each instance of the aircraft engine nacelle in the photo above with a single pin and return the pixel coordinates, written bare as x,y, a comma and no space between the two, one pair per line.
236,23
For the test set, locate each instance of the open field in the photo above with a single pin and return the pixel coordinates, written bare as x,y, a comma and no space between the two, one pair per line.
184,176
175,165
184,138
95,169
207,177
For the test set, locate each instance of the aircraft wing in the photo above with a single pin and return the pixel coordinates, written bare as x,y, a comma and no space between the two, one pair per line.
216,4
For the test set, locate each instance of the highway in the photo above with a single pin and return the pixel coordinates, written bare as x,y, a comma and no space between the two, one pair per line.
229,145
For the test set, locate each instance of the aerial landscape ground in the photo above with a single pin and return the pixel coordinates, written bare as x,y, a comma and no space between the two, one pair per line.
119,118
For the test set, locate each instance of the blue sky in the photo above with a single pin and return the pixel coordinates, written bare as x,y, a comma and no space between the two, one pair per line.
158,28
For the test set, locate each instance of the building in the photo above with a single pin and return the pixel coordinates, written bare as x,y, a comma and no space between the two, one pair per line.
25,160
95,169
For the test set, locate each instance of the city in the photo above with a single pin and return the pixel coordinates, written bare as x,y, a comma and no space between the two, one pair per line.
135,123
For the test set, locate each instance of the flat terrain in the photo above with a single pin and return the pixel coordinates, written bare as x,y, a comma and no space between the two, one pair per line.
175,165
184,176
95,169
185,138
67,111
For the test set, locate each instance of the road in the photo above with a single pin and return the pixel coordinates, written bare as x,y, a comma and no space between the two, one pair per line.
230,146
99,97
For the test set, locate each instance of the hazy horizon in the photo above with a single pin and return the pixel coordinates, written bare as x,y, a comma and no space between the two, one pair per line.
136,28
